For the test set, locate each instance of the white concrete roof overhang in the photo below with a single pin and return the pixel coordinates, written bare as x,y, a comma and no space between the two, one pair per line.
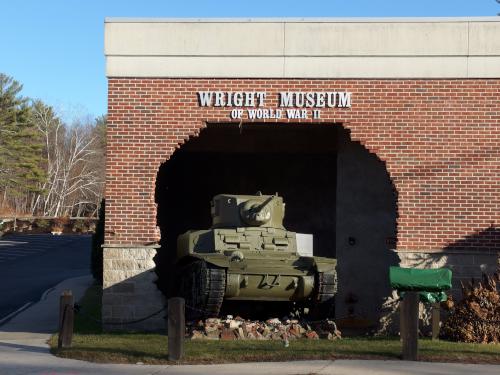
304,48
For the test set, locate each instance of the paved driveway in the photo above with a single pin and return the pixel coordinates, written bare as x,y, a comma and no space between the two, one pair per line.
31,264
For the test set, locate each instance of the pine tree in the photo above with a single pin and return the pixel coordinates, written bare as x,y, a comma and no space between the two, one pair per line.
21,157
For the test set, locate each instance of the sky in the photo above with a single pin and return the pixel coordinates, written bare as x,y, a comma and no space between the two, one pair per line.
55,47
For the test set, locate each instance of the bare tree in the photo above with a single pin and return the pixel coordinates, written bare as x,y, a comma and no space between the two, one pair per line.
78,182
74,156
51,128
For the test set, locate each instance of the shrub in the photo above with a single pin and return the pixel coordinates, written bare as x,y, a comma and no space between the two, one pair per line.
97,242
43,224
6,226
59,223
476,318
80,226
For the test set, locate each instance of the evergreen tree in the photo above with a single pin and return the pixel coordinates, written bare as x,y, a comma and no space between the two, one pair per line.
21,146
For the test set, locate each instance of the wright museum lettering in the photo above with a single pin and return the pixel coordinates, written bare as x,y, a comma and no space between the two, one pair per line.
298,99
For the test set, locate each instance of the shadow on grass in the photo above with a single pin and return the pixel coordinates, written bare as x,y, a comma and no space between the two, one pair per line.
88,314
132,348
444,352
109,354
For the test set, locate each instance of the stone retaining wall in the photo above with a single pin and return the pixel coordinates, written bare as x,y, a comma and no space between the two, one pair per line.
129,289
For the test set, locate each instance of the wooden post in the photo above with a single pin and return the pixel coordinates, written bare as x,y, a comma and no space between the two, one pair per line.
176,328
66,319
409,320
436,316
402,321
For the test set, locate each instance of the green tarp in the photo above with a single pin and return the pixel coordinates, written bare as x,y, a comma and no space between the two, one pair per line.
418,280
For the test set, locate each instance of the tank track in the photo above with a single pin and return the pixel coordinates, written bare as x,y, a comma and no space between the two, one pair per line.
327,286
323,299
202,286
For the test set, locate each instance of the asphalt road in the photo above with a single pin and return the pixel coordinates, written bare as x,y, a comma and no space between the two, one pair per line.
32,264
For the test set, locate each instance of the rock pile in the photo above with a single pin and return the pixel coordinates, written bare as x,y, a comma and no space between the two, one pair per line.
272,329
476,318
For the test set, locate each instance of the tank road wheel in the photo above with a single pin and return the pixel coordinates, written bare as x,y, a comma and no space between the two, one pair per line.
202,286
323,300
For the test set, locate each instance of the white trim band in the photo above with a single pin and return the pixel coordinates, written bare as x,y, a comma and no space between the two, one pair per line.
308,48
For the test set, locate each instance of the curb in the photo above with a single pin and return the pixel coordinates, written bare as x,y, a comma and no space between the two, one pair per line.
14,313
26,305
43,297
46,293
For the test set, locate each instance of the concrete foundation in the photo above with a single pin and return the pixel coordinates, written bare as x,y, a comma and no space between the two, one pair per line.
129,290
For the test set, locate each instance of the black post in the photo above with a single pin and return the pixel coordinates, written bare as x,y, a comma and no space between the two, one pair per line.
176,328
66,319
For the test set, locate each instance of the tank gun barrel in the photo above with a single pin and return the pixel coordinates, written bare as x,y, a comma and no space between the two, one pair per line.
257,213
265,203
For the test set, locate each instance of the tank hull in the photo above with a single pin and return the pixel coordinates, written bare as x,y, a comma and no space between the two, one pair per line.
273,277
249,256
268,278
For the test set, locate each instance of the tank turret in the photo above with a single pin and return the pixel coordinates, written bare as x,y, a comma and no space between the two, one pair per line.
248,255
265,211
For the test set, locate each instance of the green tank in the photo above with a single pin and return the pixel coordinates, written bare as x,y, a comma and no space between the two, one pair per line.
248,255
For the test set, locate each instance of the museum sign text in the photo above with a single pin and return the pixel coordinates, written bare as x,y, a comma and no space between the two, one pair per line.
291,104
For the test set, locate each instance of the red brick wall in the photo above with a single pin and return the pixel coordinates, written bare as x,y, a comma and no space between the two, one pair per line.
440,140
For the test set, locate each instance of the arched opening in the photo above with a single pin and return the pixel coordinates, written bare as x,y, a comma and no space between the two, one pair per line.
303,163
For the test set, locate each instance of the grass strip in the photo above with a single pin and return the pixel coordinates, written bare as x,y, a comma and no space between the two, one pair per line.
91,344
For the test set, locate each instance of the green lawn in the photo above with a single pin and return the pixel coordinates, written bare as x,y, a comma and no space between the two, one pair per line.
89,343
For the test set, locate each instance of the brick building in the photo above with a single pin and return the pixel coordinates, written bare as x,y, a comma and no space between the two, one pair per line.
382,135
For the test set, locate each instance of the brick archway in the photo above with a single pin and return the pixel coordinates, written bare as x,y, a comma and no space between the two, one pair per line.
334,188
